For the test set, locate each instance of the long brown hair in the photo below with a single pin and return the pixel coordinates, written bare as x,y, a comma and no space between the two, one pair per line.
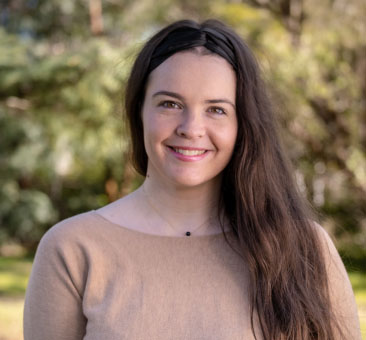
278,243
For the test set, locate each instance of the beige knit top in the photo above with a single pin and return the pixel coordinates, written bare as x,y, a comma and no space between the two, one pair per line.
95,280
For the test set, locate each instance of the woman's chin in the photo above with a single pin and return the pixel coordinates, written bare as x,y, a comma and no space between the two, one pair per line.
189,181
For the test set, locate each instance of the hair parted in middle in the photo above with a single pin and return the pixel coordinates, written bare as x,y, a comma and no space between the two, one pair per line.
277,239
184,35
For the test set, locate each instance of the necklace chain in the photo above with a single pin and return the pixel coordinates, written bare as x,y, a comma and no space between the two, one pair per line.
187,233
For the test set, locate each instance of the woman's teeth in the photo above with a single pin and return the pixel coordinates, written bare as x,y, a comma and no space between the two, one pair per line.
189,152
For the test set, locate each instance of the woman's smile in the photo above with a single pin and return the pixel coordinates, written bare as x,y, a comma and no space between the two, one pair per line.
188,154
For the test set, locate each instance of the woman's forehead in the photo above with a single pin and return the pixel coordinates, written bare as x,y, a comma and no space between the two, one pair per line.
191,72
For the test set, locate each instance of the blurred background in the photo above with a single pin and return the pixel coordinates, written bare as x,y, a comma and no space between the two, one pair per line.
63,143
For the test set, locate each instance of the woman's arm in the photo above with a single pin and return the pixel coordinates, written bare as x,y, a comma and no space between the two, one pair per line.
340,289
53,303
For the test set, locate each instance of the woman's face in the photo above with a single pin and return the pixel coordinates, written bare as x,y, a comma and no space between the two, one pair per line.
189,119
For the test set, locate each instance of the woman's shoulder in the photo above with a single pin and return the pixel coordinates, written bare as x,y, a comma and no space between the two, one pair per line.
93,222
71,230
93,228
83,240
340,288
332,259
73,225
328,247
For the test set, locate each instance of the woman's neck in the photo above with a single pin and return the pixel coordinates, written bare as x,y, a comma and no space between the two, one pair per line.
181,208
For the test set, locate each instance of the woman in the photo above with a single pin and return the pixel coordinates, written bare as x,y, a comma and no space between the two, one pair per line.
216,243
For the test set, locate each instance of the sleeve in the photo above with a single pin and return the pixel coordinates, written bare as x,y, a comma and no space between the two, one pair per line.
340,289
53,302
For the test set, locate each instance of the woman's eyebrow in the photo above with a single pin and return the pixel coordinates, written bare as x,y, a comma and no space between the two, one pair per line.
168,93
216,101
178,96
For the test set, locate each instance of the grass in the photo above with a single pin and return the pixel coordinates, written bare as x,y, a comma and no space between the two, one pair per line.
358,281
14,273
11,318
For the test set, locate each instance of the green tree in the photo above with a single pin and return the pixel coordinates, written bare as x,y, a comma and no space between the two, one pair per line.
63,64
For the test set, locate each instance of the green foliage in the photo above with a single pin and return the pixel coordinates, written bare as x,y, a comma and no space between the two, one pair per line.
60,132
62,141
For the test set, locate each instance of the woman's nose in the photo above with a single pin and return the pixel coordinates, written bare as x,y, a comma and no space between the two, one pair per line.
191,126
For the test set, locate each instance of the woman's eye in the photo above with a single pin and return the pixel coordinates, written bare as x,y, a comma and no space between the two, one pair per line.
169,105
217,110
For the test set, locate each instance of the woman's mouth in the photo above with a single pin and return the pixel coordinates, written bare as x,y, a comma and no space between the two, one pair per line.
188,153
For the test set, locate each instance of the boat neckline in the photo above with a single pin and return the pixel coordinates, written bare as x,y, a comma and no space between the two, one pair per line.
141,233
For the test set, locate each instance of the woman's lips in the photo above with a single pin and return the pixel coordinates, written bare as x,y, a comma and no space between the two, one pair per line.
188,154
